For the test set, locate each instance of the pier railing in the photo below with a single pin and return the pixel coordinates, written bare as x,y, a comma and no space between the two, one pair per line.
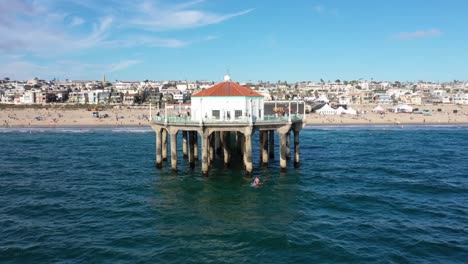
187,120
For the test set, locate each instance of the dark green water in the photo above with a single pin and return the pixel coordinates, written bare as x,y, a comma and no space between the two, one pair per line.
363,194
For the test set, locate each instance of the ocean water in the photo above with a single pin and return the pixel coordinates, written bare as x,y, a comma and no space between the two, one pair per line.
362,195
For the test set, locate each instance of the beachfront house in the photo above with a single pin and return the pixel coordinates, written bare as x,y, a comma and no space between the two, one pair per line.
103,97
115,98
382,98
28,97
460,98
227,101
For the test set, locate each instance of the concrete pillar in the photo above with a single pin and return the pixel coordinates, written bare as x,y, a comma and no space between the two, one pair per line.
195,145
271,141
219,148
184,144
164,144
264,147
226,145
174,150
158,149
248,151
296,149
191,159
211,152
283,148
288,146
204,150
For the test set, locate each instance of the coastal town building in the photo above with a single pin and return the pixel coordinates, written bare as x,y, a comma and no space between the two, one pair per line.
128,93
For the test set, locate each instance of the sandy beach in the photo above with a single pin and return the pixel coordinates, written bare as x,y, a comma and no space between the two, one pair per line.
445,116
57,117
51,117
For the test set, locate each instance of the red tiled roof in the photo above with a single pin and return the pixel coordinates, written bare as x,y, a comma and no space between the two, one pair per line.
227,89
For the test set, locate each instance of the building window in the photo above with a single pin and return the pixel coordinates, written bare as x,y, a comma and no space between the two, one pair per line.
237,113
215,114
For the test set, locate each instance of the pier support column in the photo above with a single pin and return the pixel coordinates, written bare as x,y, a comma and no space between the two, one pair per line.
158,149
226,145
283,149
248,151
195,145
204,150
211,152
191,159
296,148
174,149
288,145
184,144
164,144
219,148
264,147
271,141
283,137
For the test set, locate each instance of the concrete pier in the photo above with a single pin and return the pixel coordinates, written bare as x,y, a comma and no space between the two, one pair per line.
216,136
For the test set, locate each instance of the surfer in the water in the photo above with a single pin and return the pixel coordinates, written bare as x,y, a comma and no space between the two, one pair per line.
256,181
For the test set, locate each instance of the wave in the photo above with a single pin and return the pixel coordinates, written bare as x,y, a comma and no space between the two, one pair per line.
387,127
75,130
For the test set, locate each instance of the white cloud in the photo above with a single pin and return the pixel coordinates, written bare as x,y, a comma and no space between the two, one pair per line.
163,18
132,41
418,34
44,32
42,29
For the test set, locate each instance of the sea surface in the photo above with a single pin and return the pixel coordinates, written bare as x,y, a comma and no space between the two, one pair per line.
384,194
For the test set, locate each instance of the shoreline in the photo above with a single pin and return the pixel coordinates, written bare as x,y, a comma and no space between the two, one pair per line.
446,115
91,126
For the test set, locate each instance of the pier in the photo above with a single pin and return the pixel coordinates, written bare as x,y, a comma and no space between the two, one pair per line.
223,120
216,137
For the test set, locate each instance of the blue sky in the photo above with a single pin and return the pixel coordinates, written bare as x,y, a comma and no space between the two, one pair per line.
255,40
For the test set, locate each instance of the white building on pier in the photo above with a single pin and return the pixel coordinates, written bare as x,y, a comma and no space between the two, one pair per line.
227,101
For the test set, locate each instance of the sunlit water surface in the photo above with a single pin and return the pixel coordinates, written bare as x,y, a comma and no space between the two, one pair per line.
362,194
